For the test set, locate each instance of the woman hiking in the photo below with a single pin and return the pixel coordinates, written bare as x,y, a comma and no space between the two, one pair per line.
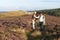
34,18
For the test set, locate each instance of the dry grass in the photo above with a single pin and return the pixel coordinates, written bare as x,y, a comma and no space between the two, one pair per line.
36,33
13,34
13,13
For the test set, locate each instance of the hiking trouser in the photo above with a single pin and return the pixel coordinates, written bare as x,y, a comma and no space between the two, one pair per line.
41,26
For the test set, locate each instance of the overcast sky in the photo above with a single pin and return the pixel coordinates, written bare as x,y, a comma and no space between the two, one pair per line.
10,5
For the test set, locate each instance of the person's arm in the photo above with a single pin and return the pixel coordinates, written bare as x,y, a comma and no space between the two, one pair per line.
36,16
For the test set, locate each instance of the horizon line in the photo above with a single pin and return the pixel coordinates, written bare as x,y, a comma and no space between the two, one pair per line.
27,10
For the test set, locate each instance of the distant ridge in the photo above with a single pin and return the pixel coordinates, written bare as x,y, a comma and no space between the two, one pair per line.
44,9
12,13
